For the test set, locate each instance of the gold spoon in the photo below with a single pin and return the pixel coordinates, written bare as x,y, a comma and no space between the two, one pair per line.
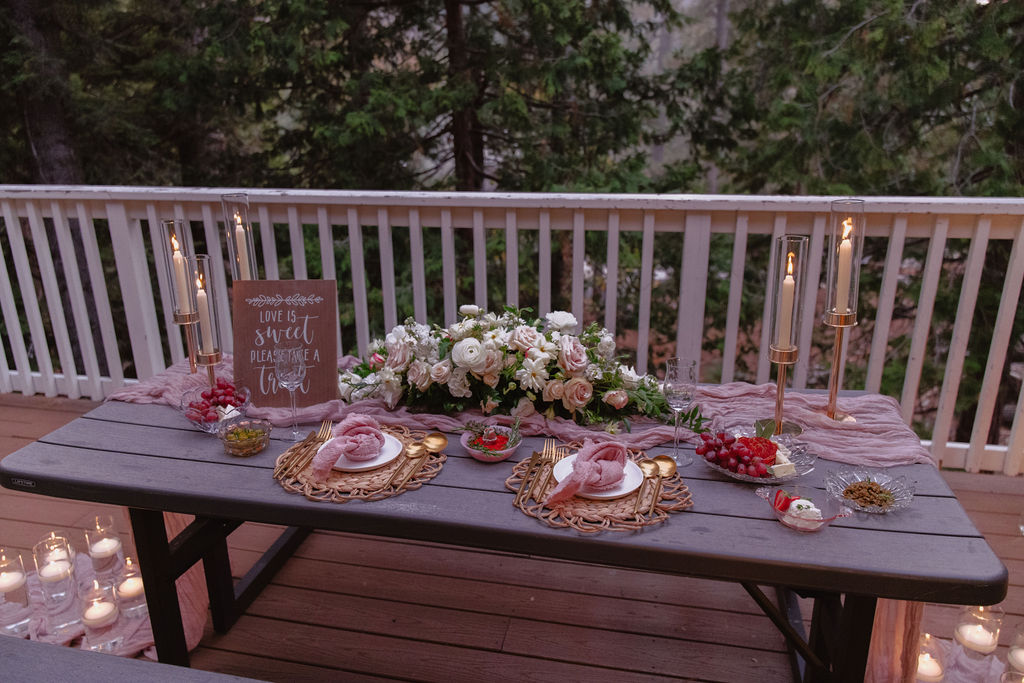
666,468
435,442
650,470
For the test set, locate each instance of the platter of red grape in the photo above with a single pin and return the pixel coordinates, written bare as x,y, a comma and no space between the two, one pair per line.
206,406
745,457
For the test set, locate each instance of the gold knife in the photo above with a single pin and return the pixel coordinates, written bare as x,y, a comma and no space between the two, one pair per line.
292,453
523,488
417,464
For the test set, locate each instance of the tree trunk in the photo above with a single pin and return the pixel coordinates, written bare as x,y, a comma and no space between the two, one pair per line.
467,142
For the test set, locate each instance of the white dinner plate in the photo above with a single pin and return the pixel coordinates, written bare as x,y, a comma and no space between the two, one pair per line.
632,476
388,452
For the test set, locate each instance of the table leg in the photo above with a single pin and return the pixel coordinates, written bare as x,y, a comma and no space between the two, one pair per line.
153,550
854,640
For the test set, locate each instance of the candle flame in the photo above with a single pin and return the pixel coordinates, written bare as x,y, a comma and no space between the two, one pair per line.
96,584
789,266
128,562
847,227
238,219
199,281
174,243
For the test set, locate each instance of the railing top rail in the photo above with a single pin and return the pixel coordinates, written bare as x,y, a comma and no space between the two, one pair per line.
1013,206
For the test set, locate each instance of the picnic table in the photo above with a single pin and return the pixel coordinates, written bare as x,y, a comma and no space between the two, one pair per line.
147,458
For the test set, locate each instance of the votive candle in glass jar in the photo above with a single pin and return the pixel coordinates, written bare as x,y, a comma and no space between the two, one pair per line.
56,573
104,548
1015,655
977,630
14,604
930,664
131,593
99,617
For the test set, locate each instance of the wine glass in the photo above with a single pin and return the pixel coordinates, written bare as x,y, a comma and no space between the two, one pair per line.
290,368
679,388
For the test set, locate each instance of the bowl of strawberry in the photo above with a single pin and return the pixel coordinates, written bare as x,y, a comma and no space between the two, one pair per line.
803,508
206,407
751,458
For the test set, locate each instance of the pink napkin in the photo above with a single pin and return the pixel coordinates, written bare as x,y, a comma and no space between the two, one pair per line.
598,466
357,437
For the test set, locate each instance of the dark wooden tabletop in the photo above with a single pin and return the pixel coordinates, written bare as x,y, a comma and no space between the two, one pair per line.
147,456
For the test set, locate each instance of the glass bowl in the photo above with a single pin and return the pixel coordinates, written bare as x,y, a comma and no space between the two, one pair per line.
244,436
486,455
785,502
199,405
899,490
803,460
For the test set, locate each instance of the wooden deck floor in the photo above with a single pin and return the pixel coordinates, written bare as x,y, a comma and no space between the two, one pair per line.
362,608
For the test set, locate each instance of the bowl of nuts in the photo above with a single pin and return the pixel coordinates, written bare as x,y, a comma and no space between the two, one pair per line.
244,436
875,492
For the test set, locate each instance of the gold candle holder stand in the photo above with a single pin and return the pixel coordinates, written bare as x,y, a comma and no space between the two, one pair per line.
838,321
209,361
783,359
189,323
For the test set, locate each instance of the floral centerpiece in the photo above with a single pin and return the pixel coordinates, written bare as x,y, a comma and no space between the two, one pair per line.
505,364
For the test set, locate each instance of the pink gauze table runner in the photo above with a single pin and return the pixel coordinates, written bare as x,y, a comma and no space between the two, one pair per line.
879,438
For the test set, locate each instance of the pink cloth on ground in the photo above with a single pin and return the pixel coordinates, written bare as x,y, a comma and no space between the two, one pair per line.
597,466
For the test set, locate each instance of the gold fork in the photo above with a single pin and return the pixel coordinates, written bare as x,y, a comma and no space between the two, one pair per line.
557,454
307,454
525,486
292,453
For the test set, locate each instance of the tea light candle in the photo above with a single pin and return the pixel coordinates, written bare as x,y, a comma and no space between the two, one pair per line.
11,581
105,547
55,570
99,613
976,637
130,588
928,669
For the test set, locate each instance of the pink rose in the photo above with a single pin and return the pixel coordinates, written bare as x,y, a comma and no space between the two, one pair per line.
441,372
376,361
523,337
578,393
572,356
491,379
487,406
553,390
616,399
399,355
419,374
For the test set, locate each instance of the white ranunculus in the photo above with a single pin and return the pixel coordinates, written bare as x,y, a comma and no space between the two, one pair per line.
524,408
561,321
470,353
469,310
458,384
533,375
606,346
630,380
441,372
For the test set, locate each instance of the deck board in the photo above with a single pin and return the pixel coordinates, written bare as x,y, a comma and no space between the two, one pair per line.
372,609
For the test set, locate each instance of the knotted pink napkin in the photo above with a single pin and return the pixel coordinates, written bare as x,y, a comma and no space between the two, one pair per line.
598,466
357,437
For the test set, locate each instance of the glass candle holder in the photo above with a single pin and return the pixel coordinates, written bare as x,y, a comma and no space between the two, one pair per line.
104,548
14,605
977,630
846,245
1015,655
239,237
930,662
131,593
99,617
206,306
177,238
56,572
790,267
1011,677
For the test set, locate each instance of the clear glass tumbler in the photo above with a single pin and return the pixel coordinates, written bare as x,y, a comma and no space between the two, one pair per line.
56,572
14,605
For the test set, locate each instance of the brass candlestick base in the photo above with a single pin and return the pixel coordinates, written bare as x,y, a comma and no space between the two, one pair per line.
783,358
837,363
209,360
189,321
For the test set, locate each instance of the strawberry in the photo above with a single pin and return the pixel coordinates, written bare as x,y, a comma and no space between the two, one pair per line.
761,447
783,500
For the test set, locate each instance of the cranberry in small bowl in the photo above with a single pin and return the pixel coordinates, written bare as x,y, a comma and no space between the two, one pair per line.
491,443
206,407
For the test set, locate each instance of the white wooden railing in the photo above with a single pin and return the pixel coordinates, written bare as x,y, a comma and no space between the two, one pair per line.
89,226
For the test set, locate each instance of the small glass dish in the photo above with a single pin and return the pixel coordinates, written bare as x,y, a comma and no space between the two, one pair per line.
803,460
244,436
901,492
200,405
486,454
787,511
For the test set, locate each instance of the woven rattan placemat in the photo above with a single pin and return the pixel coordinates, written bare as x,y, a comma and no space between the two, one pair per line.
593,516
341,487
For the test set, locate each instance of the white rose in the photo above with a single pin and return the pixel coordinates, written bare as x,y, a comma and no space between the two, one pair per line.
533,375
470,353
524,408
469,310
606,347
630,380
441,372
460,330
561,321
458,384
524,338
390,388
419,374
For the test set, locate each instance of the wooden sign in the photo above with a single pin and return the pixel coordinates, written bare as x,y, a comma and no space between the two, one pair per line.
267,313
